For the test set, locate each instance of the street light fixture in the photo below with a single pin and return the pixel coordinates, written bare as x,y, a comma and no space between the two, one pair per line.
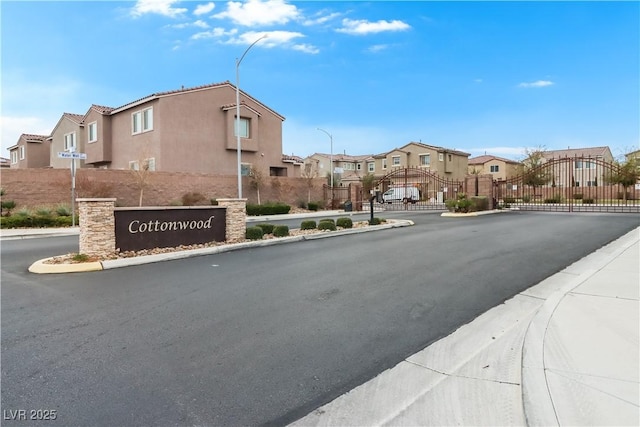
331,162
238,146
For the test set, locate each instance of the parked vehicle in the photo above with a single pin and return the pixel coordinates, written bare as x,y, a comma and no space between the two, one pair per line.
405,194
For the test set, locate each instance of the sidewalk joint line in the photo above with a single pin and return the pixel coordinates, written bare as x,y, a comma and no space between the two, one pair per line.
463,376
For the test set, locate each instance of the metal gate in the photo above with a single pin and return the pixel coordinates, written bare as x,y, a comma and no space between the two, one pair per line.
433,190
570,184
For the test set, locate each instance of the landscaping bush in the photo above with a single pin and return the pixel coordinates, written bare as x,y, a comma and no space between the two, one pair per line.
375,221
7,207
577,196
63,210
588,201
461,204
327,225
192,199
526,199
254,233
509,200
266,228
214,202
281,231
302,204
479,203
555,199
268,209
313,206
308,225
331,220
344,222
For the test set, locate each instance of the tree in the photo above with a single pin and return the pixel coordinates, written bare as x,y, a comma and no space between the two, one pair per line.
534,172
309,174
625,174
257,176
141,169
367,182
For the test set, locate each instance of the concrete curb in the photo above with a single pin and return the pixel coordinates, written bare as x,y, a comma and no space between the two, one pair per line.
39,267
472,214
538,405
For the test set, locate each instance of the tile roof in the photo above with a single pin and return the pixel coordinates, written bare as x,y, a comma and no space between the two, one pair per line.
78,118
435,147
32,137
294,159
480,160
571,152
102,109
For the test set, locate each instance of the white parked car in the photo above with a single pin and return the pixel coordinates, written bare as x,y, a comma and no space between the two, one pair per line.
404,194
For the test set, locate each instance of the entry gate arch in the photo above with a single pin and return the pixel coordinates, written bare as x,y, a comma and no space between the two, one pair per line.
434,190
569,184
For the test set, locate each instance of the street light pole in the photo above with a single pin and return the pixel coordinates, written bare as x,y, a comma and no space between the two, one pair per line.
238,146
330,161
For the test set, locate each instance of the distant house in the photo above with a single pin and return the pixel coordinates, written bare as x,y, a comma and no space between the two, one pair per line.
5,163
445,162
348,168
31,151
582,168
184,130
500,168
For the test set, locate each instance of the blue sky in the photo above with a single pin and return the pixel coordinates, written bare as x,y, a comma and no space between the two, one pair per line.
494,77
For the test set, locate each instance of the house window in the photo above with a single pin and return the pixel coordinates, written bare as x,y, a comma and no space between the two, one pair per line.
449,156
425,159
395,160
134,165
150,164
384,163
92,131
371,167
592,183
244,128
21,148
441,157
495,168
70,142
142,121
14,156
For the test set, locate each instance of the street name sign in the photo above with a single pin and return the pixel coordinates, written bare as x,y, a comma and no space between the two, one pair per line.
66,155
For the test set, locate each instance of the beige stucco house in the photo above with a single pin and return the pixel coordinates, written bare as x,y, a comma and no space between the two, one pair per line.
500,168
441,161
579,171
347,168
31,151
67,135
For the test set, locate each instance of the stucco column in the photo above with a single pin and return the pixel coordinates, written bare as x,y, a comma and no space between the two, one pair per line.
236,219
97,227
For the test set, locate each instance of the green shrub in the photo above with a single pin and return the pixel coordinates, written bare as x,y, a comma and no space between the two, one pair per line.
192,199
8,206
508,200
308,225
302,204
479,203
254,233
344,222
266,228
555,199
43,212
63,210
577,196
80,257
326,225
526,199
214,202
313,206
24,212
331,220
588,201
267,209
281,231
375,221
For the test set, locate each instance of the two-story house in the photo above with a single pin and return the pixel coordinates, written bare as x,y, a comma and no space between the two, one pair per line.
347,168
31,151
445,162
499,167
578,167
184,130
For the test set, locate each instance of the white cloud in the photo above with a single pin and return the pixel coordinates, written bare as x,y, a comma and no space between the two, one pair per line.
306,48
215,33
202,9
160,7
258,12
538,83
377,48
363,27
199,24
321,18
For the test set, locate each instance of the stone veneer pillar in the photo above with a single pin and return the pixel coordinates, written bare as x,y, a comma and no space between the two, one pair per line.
97,227
236,219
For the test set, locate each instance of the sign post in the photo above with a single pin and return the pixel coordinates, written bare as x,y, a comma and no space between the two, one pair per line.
73,156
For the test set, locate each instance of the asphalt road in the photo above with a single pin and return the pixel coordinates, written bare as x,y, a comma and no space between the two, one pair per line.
262,336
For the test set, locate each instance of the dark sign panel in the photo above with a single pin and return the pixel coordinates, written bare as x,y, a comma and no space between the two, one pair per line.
145,228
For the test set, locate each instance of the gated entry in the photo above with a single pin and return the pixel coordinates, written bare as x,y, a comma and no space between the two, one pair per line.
433,189
570,184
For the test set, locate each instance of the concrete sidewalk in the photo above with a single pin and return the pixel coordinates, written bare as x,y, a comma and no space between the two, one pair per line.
563,352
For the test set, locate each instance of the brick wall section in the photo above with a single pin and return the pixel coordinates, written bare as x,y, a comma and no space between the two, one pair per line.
97,227
236,219
484,187
49,187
